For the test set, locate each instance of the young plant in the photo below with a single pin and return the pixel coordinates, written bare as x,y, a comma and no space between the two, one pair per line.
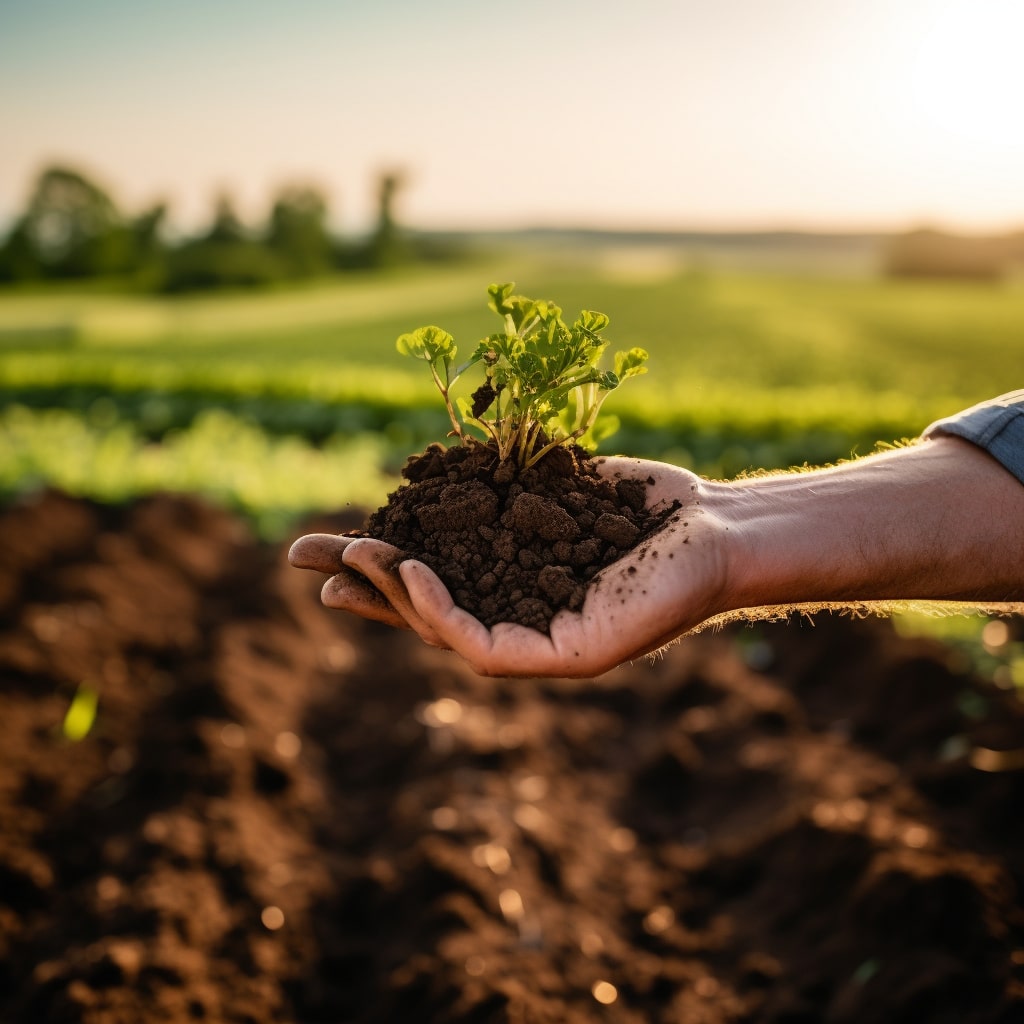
542,384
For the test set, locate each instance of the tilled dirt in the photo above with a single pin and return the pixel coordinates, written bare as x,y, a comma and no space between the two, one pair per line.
511,546
288,814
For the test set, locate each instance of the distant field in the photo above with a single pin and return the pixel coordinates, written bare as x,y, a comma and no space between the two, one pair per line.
110,394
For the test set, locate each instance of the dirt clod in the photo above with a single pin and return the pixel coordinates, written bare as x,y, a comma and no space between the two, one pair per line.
617,530
489,530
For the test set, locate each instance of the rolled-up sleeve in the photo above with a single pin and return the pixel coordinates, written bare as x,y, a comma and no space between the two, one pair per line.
996,425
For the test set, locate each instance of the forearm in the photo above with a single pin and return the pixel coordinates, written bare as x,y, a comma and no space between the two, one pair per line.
941,520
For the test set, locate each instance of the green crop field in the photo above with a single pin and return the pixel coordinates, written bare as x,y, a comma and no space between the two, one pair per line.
287,401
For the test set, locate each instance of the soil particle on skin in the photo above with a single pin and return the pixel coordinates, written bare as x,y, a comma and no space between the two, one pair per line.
287,814
490,531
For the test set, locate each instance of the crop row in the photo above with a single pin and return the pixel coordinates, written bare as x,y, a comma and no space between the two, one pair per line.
110,395
779,427
261,460
821,419
272,480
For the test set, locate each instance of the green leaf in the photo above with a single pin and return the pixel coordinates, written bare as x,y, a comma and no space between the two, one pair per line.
591,321
81,714
465,407
488,349
539,375
523,314
500,294
631,363
428,343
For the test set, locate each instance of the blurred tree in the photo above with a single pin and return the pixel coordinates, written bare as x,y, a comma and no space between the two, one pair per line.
149,253
297,231
1015,250
19,260
226,225
225,256
926,252
73,228
387,246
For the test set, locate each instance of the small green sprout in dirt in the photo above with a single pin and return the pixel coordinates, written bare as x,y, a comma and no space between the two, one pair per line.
542,384
81,713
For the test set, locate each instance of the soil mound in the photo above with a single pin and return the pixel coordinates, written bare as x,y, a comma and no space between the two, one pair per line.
283,813
514,547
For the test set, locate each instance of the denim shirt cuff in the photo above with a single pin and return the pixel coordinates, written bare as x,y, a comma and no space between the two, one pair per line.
996,425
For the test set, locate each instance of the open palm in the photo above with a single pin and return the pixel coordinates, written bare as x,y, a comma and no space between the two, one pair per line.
666,586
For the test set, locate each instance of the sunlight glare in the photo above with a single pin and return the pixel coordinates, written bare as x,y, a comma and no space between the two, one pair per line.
967,76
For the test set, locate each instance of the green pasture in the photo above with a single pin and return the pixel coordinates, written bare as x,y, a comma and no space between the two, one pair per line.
288,401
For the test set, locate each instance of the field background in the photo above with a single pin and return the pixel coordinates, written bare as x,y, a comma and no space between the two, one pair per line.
773,823
221,800
768,351
276,403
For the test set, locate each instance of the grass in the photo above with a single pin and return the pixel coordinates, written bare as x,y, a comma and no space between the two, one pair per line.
747,370
727,331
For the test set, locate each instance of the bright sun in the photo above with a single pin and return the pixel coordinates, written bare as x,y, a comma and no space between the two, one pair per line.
967,76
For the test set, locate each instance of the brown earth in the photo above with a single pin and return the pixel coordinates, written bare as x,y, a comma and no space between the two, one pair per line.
288,814
510,546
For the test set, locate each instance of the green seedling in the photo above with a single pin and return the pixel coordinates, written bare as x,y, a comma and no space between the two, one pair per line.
81,714
542,382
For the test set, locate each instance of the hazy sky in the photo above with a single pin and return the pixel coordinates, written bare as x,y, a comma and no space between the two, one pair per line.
659,113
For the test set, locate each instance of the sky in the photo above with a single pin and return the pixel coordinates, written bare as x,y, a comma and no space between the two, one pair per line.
676,114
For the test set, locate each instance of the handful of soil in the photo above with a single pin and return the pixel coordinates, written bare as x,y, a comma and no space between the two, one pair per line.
511,545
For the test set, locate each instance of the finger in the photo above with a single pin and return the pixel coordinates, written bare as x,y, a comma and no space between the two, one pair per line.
506,650
379,563
349,591
664,482
321,552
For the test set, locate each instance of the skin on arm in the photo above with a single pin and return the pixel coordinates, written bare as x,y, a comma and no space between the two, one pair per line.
938,521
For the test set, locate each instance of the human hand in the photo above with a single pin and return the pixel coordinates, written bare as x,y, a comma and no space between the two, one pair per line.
936,521
363,579
664,587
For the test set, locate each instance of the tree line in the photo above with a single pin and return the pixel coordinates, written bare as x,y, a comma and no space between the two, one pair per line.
930,253
73,229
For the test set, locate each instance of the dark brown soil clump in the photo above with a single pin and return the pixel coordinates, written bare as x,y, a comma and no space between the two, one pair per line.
514,546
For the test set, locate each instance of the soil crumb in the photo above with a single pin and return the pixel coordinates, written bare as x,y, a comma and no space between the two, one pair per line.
511,546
